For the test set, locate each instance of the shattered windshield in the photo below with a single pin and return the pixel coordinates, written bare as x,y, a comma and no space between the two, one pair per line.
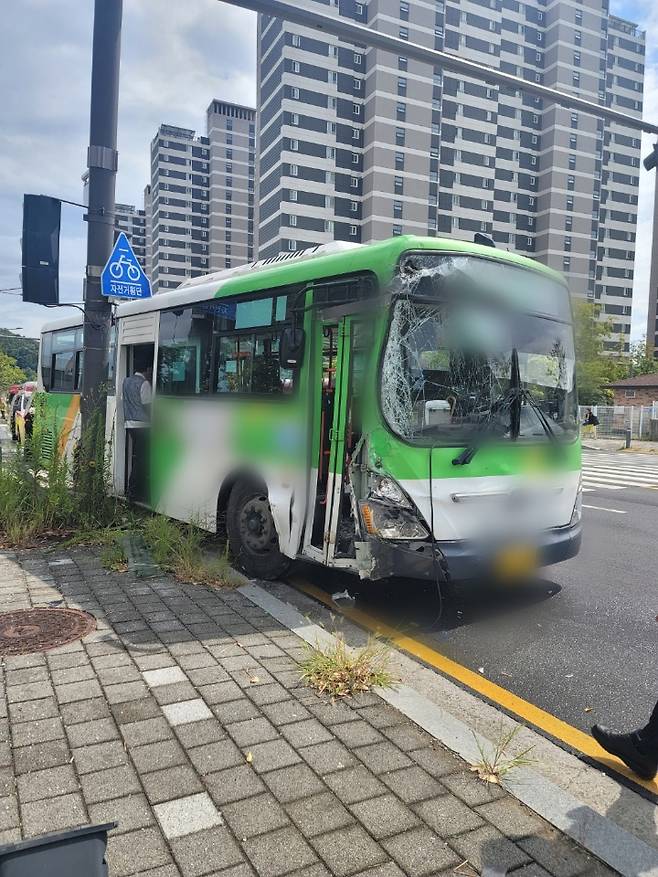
447,368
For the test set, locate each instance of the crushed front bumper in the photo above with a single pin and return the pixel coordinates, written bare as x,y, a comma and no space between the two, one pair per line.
462,559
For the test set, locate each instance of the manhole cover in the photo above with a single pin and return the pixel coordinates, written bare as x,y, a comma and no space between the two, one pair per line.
38,630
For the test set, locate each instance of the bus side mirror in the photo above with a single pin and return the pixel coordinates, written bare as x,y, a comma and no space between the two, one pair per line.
291,348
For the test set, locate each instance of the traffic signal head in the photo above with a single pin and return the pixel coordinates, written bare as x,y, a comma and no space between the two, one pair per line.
651,161
40,245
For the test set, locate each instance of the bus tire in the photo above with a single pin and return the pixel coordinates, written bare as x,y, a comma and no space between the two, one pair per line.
252,535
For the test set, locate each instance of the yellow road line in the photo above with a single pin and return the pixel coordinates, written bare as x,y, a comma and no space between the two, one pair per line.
525,710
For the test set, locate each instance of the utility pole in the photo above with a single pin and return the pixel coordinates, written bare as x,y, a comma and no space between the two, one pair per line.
651,164
102,159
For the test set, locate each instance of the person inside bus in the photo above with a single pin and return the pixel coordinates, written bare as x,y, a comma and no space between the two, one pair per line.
638,749
137,394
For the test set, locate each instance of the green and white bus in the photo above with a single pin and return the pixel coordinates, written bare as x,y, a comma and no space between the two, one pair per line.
400,408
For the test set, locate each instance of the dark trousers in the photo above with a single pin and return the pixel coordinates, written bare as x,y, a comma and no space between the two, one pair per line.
649,734
139,455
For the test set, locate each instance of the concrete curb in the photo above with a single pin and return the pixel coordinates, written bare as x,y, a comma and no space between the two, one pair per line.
597,833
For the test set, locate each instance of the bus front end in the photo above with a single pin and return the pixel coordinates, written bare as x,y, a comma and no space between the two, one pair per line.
474,469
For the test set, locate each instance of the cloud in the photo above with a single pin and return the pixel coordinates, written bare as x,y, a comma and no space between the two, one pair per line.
176,57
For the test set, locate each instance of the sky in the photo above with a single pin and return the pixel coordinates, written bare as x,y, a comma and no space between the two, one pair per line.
176,57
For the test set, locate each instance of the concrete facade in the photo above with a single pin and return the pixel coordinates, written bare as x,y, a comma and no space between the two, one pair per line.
359,144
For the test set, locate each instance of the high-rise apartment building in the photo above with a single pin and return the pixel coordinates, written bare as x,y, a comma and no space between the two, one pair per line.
179,207
132,221
232,136
200,202
359,144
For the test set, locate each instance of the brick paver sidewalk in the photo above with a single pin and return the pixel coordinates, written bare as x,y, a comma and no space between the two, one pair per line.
149,721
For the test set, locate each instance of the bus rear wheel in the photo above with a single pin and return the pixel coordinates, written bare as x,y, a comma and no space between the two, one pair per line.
252,535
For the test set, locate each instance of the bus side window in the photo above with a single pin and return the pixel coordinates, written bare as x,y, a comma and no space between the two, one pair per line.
46,359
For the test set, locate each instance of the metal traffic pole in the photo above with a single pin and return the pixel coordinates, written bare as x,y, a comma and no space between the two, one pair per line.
360,34
651,164
102,163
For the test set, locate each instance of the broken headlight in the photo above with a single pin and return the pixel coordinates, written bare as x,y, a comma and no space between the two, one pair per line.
388,522
384,488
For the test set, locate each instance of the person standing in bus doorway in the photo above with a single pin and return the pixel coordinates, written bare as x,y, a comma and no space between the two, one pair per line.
137,395
638,749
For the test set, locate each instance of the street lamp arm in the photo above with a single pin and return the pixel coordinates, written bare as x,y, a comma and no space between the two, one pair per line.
358,33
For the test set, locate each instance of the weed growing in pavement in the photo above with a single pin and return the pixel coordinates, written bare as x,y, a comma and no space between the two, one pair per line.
495,763
42,496
341,671
187,551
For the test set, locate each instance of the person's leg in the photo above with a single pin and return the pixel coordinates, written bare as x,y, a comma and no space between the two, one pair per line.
638,749
649,734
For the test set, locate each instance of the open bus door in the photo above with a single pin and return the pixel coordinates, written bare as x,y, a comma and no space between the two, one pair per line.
330,521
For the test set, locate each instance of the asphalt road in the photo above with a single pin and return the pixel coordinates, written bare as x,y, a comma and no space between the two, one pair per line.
581,641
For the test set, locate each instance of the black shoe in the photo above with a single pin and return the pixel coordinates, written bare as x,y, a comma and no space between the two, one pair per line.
629,749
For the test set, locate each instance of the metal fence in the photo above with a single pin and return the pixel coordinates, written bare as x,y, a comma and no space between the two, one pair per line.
614,420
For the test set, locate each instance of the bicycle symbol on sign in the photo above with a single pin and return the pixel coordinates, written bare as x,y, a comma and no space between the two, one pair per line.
117,269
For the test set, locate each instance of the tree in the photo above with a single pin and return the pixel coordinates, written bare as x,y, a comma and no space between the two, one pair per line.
594,367
641,362
10,373
24,350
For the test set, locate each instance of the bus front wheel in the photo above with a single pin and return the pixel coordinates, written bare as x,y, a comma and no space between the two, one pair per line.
252,535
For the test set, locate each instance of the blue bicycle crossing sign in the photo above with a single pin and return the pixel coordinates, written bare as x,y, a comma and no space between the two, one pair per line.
122,276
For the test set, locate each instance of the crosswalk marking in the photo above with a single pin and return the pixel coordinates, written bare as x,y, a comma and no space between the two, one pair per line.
618,471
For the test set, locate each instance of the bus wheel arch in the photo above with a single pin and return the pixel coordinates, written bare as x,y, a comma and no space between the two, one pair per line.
251,530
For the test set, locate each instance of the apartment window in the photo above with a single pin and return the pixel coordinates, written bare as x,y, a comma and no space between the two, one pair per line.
399,161
397,209
578,38
294,145
567,245
358,60
229,153
566,263
353,231
357,85
356,109
400,112
404,33
629,394
296,40
576,59
331,152
570,202
404,11
399,136
333,51
294,93
292,245
579,16
568,223
398,185
397,230
402,86
229,139
293,194
355,158
328,225
294,170
355,133
574,120
403,64
294,119
296,67
575,78
354,206
358,8
292,220
354,182
571,183
572,162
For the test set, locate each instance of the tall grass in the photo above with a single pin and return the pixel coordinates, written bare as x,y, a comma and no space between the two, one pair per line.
187,551
40,494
